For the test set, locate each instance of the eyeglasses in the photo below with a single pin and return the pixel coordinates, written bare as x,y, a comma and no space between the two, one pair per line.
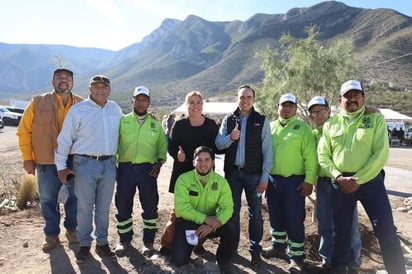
100,79
319,112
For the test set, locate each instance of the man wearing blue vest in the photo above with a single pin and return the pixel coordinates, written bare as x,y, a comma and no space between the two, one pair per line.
245,137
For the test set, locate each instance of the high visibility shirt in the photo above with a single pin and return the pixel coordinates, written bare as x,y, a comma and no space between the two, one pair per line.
139,144
318,134
360,146
194,202
294,150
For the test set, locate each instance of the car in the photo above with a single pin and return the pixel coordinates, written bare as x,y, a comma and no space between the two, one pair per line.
408,134
15,109
9,118
1,124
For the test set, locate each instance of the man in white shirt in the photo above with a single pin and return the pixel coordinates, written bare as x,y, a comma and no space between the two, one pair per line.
90,132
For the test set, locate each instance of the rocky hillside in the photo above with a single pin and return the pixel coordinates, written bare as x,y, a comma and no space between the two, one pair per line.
215,57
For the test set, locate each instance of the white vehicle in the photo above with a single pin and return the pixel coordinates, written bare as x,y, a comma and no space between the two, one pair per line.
408,134
9,118
1,124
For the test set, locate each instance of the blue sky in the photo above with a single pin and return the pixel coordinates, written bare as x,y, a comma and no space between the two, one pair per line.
115,24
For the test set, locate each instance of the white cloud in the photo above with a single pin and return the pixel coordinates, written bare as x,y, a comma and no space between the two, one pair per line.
107,8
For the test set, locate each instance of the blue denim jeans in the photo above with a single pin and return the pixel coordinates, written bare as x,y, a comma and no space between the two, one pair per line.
94,185
375,201
326,226
49,186
239,181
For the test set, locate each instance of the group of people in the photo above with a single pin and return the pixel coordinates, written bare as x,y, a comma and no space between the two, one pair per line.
400,134
88,144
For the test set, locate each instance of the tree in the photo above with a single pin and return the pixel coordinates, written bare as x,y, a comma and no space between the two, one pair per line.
306,68
58,61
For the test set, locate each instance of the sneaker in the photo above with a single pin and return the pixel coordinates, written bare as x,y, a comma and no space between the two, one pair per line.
271,252
148,249
104,251
324,268
256,260
164,251
199,250
122,247
295,267
71,236
50,242
82,254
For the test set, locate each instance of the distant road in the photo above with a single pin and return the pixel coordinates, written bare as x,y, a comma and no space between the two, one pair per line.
398,181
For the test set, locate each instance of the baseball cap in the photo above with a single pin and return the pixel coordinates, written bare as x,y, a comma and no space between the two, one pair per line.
100,79
63,70
288,97
318,100
350,85
141,90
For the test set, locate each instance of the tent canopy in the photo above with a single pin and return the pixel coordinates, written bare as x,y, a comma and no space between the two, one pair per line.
391,115
211,108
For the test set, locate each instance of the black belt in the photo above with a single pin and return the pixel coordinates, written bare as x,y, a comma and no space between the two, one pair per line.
348,174
98,158
240,168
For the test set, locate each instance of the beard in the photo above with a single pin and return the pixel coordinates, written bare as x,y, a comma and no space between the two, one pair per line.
140,113
203,173
60,90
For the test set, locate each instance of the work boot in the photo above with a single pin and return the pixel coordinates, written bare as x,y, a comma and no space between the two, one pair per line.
225,268
71,236
164,251
82,254
295,267
256,259
104,251
147,249
271,252
122,247
50,242
199,250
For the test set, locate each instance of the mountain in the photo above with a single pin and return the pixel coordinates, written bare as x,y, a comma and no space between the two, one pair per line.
215,57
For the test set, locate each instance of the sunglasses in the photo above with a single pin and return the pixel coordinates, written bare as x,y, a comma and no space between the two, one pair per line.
101,79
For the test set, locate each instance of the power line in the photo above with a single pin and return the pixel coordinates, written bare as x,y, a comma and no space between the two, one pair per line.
389,60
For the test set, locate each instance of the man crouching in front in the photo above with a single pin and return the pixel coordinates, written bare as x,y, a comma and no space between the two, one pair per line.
203,204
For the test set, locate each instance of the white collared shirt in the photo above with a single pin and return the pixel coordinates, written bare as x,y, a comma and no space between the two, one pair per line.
89,129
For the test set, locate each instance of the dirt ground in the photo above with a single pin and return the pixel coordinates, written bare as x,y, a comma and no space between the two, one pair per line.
21,232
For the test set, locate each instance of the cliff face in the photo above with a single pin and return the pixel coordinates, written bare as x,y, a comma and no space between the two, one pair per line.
217,56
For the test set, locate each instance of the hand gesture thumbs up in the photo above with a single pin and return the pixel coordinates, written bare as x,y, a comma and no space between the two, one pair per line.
181,156
235,133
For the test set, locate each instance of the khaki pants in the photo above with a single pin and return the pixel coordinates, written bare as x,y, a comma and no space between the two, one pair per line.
167,237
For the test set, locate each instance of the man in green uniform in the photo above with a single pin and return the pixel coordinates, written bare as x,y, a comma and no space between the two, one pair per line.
294,174
319,113
353,150
203,205
141,153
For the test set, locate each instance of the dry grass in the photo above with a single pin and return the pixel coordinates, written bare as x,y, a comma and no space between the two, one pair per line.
28,191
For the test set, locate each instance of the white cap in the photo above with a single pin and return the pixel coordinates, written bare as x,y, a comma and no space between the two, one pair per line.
318,100
288,97
141,90
350,85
